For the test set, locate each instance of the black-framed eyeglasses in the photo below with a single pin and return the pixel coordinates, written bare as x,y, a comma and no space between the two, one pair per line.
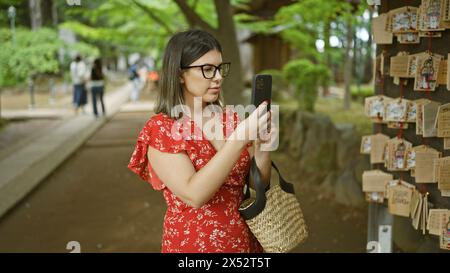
209,70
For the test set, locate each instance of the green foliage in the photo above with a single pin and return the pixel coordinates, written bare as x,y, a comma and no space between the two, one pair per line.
303,23
306,77
122,27
279,84
361,92
32,53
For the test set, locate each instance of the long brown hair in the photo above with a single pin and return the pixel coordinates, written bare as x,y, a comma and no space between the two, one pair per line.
183,49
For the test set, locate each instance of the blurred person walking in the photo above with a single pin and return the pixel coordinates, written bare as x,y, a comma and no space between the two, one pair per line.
78,75
153,76
97,86
135,78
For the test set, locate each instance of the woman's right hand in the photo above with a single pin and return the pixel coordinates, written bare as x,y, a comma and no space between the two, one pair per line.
248,130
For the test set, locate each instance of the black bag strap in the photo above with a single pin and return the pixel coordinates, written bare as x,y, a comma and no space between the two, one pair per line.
258,206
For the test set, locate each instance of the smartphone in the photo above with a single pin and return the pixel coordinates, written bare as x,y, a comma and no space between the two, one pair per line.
262,89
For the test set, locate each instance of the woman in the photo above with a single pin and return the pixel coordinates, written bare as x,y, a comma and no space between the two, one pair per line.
97,86
202,179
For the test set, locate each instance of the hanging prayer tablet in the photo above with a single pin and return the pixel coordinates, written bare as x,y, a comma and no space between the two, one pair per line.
412,112
444,237
426,72
375,107
375,181
404,19
412,63
443,121
448,72
396,110
442,75
379,68
396,149
416,214
411,158
399,65
399,198
378,143
434,220
419,115
446,16
447,143
381,35
430,15
429,114
424,167
443,176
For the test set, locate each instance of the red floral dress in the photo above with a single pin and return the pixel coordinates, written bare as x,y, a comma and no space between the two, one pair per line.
215,227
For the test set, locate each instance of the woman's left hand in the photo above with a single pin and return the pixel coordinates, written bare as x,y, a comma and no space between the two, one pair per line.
266,142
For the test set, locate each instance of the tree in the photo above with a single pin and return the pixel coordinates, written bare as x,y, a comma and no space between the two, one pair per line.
306,77
35,14
223,29
348,65
34,53
119,28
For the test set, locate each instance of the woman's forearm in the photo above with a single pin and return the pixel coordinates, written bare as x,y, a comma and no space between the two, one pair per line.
264,164
205,183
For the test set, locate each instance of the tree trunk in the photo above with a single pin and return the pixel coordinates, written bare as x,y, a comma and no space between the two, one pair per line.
54,13
327,48
233,86
368,64
348,66
35,14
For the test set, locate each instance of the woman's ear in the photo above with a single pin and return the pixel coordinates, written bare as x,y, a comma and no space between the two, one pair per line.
181,78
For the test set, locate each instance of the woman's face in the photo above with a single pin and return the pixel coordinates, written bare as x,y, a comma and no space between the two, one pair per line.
195,85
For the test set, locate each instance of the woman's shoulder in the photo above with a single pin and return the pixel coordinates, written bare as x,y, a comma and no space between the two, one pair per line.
159,120
160,124
161,133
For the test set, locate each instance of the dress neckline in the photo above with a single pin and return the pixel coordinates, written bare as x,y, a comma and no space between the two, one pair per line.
204,138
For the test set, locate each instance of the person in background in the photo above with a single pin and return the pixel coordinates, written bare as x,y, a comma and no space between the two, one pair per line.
97,86
135,78
78,75
153,76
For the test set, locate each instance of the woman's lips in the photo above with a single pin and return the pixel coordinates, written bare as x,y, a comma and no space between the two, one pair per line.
214,90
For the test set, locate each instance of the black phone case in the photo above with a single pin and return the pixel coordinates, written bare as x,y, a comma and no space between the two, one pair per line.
262,89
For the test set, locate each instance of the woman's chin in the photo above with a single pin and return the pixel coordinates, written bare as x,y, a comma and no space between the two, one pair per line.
211,97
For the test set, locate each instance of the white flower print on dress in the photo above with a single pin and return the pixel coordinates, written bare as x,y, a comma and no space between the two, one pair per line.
215,227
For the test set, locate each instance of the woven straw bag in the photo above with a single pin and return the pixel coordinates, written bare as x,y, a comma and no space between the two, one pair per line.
274,216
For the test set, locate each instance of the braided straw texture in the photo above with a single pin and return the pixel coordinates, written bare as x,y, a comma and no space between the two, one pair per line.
280,227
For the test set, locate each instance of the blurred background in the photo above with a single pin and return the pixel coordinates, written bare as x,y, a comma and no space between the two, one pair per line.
64,184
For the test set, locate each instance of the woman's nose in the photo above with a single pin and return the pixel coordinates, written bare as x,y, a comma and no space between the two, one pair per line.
217,76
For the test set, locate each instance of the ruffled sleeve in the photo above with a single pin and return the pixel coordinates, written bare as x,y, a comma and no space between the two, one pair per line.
156,133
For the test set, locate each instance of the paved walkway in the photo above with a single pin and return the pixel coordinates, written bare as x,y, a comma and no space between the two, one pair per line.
91,198
23,167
